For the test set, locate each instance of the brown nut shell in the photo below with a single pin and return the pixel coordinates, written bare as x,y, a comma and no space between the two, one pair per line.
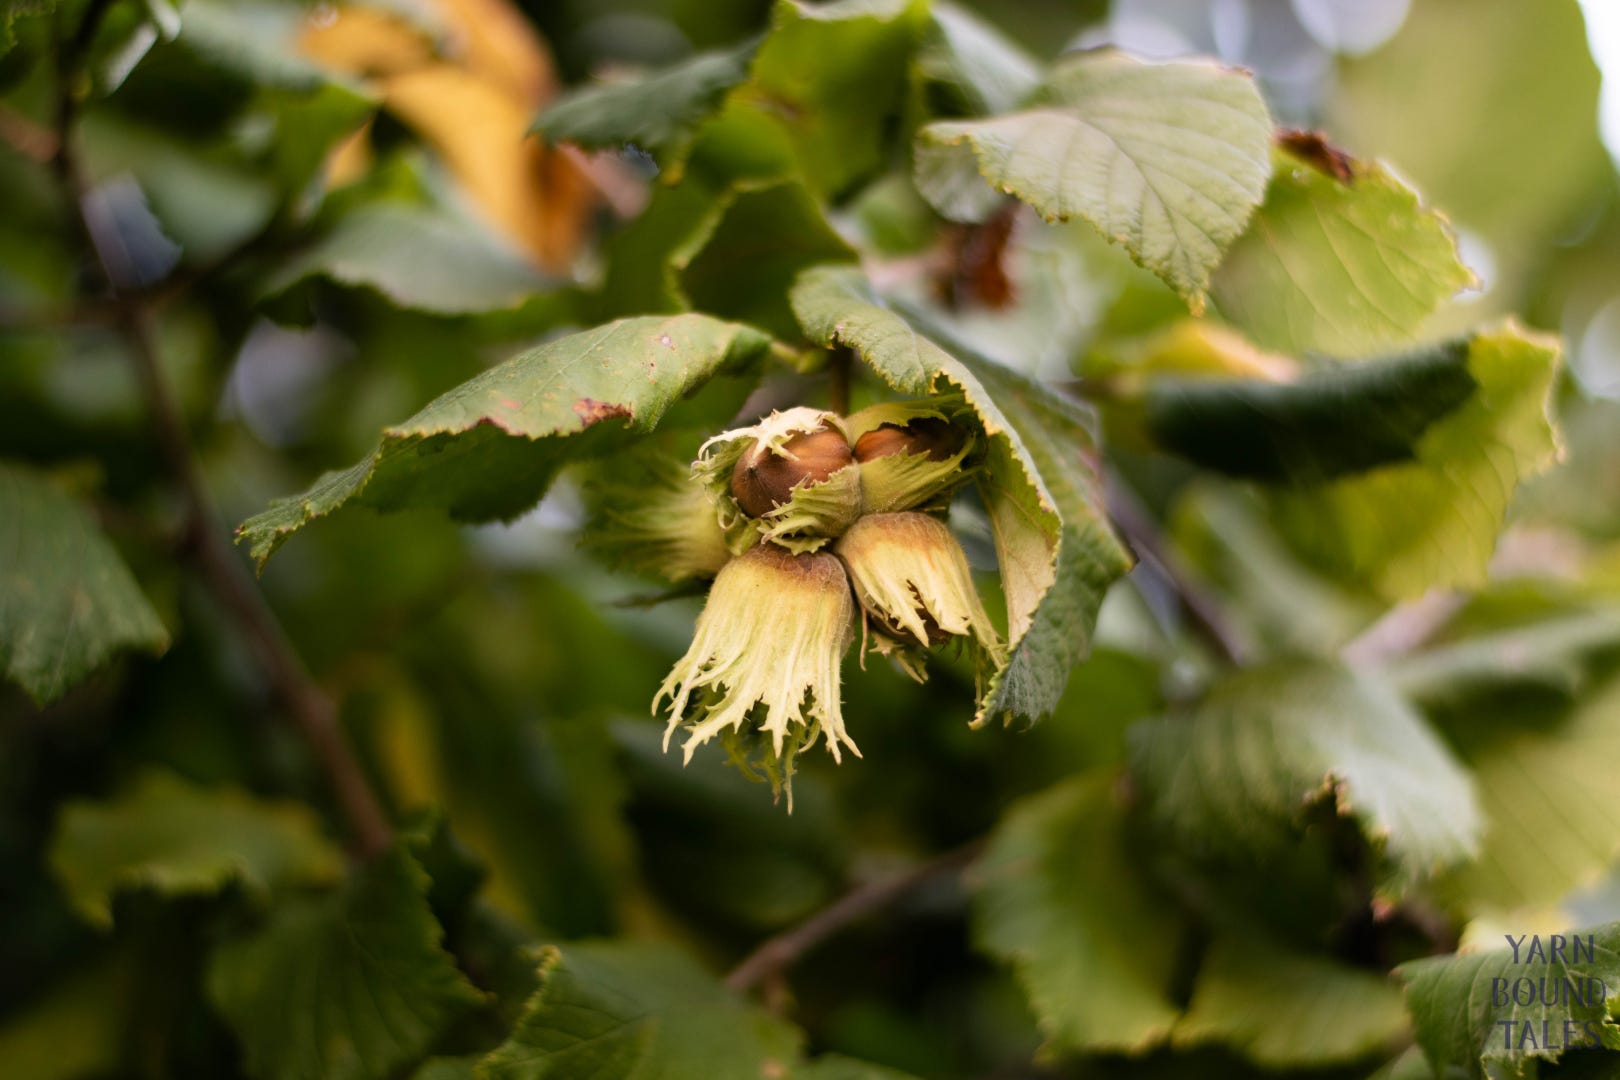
925,435
763,480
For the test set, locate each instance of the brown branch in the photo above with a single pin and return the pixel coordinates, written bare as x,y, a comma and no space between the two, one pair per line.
205,541
1202,611
767,964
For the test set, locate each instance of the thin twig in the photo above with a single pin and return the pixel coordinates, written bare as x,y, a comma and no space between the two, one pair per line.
216,561
1202,611
840,363
777,954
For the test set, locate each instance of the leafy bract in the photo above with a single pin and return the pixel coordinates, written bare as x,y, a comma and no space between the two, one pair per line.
177,839
1285,1009
640,1011
1055,549
1465,1030
1059,898
1333,421
418,258
1345,264
67,601
658,113
1432,522
1233,775
1169,160
490,447
349,986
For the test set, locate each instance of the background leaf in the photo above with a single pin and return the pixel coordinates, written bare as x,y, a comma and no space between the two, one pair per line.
177,839
70,602
348,986
637,1010
1234,774
1095,962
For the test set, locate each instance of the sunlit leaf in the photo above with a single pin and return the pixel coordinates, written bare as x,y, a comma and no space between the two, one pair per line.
1432,522
1348,263
1169,160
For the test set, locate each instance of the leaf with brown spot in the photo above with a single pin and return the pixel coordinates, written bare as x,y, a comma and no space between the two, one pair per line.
489,448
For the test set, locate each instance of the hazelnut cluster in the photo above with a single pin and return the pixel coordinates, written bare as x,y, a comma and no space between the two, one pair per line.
830,523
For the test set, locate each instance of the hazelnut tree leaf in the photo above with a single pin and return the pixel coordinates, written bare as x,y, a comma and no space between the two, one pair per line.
68,603
1283,1009
827,83
354,985
1169,160
418,258
1463,1031
1232,775
171,836
1546,789
658,113
1432,522
983,71
1056,552
1096,963
638,1010
489,448
1332,421
1347,264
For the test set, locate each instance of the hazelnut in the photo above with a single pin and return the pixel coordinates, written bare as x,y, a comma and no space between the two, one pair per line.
764,479
925,435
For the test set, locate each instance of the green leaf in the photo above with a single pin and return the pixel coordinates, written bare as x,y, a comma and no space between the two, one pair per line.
1336,420
1432,523
1530,70
1169,160
740,263
178,839
67,601
1060,900
1347,264
1459,1025
418,258
346,986
1055,550
638,1010
19,9
490,447
659,113
828,80
1285,1009
1233,775
1552,823
75,1028
982,70
838,1067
